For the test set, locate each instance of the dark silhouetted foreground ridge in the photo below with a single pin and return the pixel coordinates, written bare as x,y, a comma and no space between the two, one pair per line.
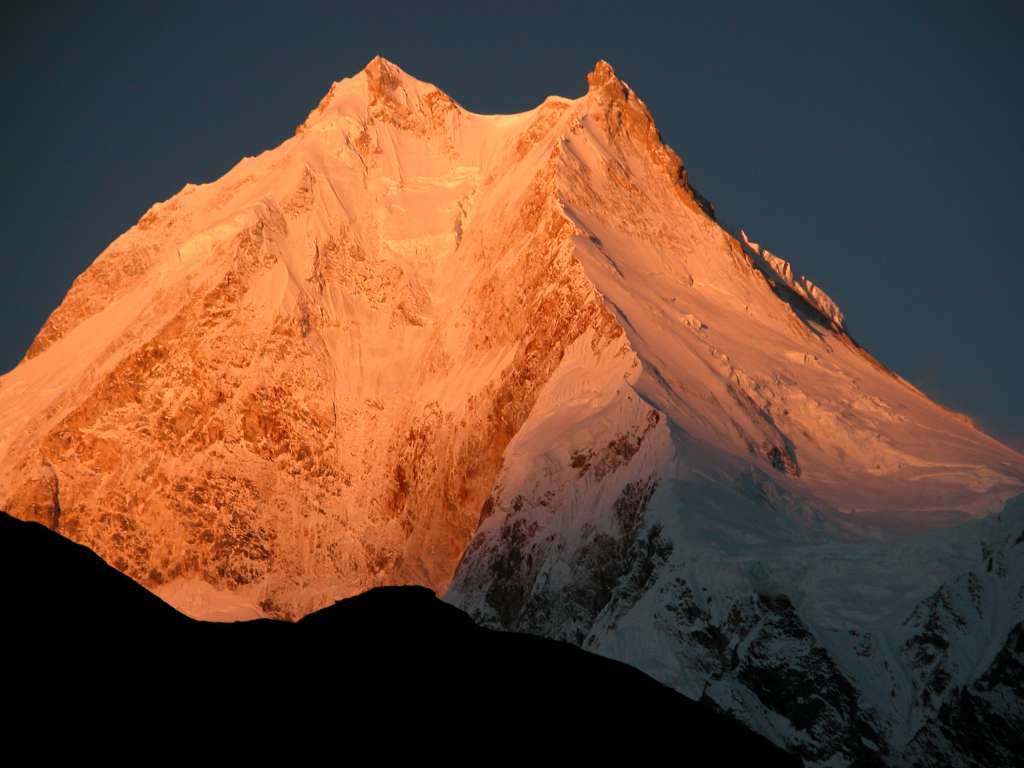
83,633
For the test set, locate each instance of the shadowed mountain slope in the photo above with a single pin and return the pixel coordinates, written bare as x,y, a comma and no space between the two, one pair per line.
80,629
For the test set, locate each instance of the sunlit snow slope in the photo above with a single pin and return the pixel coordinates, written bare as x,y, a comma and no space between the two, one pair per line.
516,355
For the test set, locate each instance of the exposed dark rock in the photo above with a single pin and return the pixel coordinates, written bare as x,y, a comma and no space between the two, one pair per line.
983,724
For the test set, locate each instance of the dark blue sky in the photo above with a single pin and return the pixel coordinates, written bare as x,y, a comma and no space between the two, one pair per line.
878,148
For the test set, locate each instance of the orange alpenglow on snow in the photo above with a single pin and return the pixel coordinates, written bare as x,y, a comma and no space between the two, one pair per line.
497,355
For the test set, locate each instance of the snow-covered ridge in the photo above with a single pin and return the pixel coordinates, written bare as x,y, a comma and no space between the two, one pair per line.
781,269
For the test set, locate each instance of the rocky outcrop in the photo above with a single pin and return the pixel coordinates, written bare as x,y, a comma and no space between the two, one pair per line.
981,724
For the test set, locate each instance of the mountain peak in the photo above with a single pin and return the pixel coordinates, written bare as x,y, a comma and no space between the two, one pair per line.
515,358
383,75
380,61
602,74
380,82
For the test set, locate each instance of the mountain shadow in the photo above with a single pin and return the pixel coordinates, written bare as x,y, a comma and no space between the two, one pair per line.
81,637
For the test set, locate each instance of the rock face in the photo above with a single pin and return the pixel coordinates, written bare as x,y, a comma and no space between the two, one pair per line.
297,382
515,357
982,724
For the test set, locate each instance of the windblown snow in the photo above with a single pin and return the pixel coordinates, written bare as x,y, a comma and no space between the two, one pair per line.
516,358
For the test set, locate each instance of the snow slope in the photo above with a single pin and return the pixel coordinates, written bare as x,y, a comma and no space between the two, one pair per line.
515,357
740,500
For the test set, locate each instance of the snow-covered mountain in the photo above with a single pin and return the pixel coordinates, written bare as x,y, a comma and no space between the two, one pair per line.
515,357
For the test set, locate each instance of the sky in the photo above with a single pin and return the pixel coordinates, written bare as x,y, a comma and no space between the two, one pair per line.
876,146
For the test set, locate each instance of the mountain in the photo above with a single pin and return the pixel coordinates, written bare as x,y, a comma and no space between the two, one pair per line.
389,654
516,359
